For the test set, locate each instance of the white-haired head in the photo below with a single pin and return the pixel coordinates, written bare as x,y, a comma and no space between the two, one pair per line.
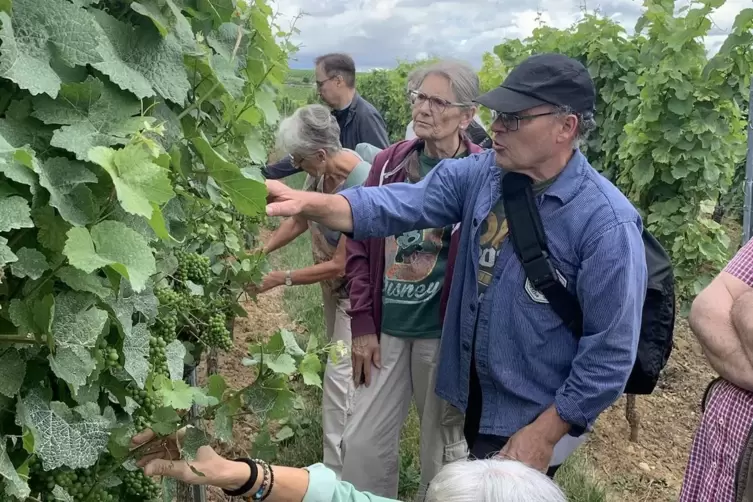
311,128
492,481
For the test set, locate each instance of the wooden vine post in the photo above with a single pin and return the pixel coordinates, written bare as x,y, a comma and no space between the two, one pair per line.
633,418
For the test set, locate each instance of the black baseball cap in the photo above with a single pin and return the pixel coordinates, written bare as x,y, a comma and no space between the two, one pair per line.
553,79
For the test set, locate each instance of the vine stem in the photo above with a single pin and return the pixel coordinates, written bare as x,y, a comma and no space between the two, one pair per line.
18,339
198,102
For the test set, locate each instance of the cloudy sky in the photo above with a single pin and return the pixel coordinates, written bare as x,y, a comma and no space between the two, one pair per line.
378,32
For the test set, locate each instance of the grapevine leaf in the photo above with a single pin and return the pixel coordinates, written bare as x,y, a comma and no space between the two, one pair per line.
92,114
14,485
260,400
175,352
31,263
136,353
284,433
72,365
291,344
158,224
142,61
79,280
138,181
76,325
223,424
51,228
6,255
16,163
220,10
14,214
62,436
41,32
165,420
310,369
175,394
61,495
134,222
216,386
194,439
128,302
167,18
88,393
111,243
223,419
21,316
76,321
265,101
248,196
224,40
12,372
66,181
284,402
283,364
263,447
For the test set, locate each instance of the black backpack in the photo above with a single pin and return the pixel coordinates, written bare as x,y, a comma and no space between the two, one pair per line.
658,320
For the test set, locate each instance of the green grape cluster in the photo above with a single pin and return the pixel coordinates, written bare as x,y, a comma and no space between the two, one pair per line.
137,485
108,354
192,267
157,356
146,403
166,326
217,334
80,484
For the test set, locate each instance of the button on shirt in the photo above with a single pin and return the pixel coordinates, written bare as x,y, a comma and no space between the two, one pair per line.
526,357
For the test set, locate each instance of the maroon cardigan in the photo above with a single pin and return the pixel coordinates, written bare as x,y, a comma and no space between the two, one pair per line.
364,267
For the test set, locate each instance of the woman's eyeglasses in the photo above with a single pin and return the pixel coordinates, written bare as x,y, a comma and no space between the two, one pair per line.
418,98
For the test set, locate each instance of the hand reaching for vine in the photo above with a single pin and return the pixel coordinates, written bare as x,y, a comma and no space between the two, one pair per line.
163,458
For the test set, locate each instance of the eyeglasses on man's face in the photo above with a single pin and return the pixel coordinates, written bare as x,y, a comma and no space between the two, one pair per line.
320,83
511,121
418,98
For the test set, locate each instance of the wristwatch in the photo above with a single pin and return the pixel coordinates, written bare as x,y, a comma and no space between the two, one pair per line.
288,279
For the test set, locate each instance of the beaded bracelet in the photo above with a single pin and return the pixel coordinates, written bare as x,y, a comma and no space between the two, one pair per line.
271,483
266,485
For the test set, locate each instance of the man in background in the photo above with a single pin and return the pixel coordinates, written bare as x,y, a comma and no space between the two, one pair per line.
719,468
359,121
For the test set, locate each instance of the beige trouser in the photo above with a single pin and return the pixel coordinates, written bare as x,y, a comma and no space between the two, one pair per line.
338,381
372,434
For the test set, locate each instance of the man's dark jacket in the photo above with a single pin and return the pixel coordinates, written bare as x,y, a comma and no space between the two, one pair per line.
359,123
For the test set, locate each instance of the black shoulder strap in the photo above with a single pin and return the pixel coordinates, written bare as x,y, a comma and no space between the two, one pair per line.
529,241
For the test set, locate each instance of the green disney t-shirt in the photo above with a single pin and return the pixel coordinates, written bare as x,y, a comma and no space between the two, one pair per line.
414,269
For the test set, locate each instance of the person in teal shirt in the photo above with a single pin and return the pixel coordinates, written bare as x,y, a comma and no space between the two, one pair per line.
497,480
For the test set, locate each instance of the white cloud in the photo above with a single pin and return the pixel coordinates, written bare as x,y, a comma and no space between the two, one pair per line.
379,32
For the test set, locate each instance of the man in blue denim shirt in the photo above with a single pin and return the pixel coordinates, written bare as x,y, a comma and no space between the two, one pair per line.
537,382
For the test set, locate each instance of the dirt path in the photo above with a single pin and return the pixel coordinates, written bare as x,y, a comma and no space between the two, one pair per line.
265,316
652,468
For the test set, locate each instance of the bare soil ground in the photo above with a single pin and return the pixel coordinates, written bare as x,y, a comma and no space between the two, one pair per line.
265,316
652,468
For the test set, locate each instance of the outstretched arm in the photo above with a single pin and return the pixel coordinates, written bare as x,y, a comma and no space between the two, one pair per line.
436,201
314,484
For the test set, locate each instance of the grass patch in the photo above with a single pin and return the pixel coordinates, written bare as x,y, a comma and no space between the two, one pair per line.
304,305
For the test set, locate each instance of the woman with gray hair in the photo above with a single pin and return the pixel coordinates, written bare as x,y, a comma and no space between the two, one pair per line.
475,131
495,480
399,287
312,137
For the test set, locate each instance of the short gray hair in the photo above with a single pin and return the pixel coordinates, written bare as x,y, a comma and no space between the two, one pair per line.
586,123
310,128
463,79
494,480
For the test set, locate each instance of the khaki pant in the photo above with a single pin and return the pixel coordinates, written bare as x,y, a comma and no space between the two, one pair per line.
372,435
338,381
